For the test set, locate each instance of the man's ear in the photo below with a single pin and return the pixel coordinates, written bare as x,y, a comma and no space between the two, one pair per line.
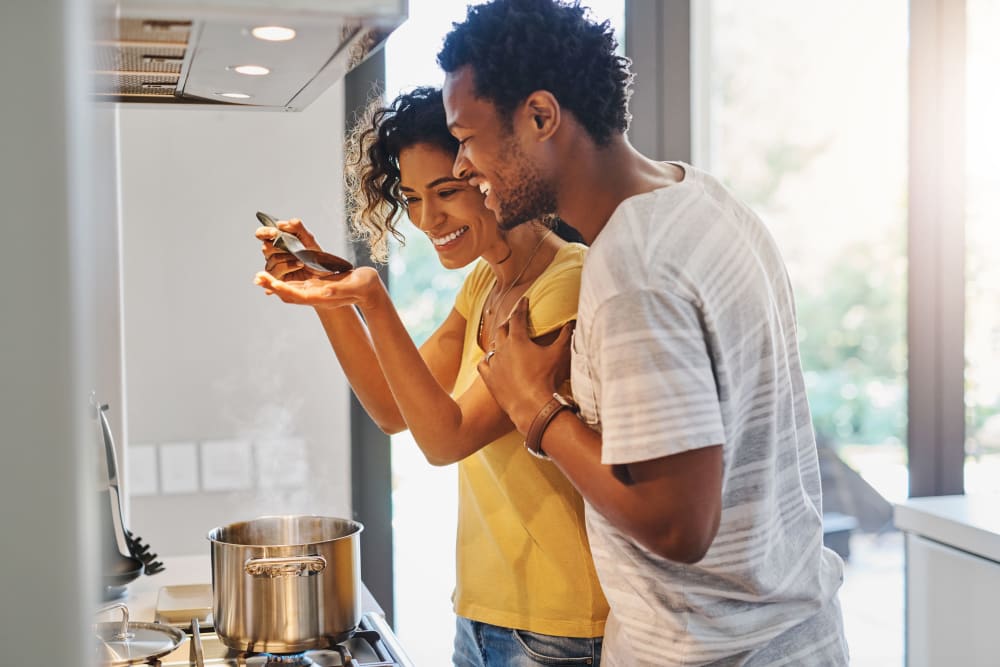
544,113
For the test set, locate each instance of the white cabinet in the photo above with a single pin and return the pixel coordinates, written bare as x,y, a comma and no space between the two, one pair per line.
952,581
952,600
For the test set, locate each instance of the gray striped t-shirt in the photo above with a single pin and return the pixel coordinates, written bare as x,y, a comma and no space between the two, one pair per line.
686,338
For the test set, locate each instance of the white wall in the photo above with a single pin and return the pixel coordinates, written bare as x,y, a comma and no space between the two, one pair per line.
208,356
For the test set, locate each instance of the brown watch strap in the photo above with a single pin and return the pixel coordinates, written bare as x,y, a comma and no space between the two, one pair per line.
533,440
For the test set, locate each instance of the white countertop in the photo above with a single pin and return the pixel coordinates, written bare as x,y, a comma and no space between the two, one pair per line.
969,523
178,570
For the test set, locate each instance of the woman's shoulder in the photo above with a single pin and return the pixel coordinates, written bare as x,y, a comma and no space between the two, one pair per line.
561,278
572,252
480,278
552,300
569,258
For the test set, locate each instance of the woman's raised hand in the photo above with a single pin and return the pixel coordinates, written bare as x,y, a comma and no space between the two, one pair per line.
355,288
279,263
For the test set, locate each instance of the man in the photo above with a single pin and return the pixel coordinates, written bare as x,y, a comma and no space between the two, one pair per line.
693,445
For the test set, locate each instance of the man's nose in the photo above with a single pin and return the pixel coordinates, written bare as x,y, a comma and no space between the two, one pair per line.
462,168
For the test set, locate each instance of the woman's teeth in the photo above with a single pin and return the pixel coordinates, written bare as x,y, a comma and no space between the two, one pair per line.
448,238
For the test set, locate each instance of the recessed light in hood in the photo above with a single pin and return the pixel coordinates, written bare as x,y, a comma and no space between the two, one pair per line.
183,51
252,70
273,33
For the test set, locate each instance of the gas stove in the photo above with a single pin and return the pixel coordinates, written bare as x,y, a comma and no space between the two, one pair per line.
373,644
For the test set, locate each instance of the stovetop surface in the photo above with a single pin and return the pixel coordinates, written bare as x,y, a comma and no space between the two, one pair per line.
365,649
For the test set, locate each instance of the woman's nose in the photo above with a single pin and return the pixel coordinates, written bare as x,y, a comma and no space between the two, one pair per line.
430,216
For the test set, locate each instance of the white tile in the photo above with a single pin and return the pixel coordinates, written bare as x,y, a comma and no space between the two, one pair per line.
178,467
225,465
143,470
282,463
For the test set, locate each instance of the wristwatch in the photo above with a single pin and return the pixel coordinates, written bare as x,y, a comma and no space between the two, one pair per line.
555,405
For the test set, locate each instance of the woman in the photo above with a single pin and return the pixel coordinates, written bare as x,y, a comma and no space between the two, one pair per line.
526,590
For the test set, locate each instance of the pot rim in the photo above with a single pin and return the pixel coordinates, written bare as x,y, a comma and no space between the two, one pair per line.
356,528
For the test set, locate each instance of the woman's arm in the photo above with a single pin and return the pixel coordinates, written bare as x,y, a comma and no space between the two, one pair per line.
411,386
352,344
446,429
345,329
398,385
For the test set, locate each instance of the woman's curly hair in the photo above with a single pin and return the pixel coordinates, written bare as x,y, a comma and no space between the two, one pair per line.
373,147
516,47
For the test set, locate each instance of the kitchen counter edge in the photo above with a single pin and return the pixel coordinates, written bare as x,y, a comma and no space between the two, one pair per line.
970,523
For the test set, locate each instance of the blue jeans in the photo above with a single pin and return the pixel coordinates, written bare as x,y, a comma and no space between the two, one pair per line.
484,645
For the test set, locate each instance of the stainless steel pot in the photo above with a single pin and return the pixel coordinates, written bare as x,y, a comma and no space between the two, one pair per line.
286,584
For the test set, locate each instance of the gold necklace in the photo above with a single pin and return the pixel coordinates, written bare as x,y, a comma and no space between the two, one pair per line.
499,300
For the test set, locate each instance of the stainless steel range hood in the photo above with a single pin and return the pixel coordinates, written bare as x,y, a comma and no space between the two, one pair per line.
193,52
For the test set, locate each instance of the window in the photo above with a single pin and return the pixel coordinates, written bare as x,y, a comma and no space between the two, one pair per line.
982,320
803,113
813,136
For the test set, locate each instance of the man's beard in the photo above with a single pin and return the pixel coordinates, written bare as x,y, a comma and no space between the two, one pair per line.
527,196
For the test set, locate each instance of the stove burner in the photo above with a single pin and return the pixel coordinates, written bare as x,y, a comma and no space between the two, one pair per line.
276,660
372,645
336,655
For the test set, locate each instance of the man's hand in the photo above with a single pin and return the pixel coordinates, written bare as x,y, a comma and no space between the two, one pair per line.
522,374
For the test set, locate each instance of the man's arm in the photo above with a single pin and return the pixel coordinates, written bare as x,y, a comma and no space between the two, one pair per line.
670,505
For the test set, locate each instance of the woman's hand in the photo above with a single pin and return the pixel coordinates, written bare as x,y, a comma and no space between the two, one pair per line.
360,287
279,263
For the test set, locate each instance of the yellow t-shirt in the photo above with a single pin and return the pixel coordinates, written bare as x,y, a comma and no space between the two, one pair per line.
523,559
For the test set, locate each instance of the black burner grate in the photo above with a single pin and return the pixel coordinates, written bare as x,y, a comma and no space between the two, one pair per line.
366,647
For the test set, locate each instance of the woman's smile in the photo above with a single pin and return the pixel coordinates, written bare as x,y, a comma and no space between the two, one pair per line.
448,241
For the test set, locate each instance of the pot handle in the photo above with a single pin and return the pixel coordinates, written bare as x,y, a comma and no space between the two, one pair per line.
302,566
123,634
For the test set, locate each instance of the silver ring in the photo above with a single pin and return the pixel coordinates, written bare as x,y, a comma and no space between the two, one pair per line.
489,355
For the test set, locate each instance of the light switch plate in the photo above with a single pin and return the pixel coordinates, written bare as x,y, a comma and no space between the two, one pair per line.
226,465
143,470
179,467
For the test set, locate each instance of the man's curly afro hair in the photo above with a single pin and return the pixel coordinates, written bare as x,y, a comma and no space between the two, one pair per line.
516,47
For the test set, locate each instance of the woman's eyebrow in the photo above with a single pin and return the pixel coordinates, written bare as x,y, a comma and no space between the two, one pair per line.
433,184
444,179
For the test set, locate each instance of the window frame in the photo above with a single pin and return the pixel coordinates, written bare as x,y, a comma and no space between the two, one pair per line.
936,249
371,462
